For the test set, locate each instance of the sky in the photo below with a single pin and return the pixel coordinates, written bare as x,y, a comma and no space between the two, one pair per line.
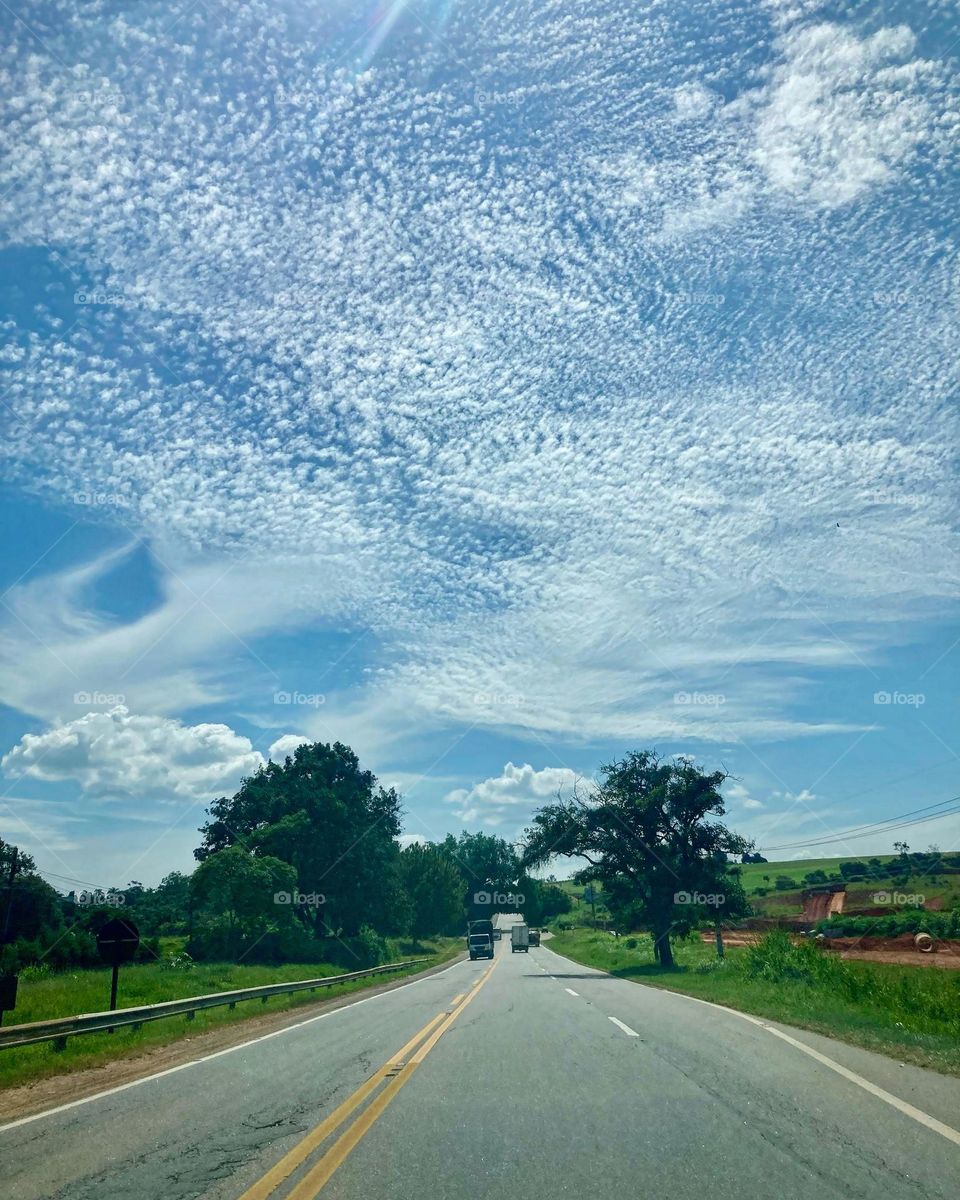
495,388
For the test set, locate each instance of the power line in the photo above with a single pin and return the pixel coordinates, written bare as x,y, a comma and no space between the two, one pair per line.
888,825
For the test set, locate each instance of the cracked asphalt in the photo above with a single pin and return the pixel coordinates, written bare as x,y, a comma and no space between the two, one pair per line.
532,1092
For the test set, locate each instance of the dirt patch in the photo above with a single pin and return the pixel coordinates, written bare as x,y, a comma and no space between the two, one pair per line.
899,950
30,1098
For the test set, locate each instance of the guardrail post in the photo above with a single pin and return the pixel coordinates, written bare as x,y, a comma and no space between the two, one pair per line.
60,1043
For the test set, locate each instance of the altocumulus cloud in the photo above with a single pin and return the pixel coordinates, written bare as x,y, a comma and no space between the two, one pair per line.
554,360
118,755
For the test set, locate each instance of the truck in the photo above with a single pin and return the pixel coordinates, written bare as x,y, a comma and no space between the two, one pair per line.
520,939
480,939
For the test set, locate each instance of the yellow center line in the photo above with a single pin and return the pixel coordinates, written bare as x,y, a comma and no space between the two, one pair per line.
303,1149
319,1175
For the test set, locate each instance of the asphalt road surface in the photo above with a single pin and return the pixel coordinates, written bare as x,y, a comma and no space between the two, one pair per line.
527,1079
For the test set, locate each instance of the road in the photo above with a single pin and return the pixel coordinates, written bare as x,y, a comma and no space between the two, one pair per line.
547,1079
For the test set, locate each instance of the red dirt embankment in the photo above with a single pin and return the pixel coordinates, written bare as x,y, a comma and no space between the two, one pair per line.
900,950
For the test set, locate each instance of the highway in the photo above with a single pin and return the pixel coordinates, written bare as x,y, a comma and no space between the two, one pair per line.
532,1077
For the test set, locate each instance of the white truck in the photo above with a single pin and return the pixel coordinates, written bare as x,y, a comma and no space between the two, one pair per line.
520,939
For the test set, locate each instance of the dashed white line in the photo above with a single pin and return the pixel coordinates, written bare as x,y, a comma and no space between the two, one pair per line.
626,1028
571,991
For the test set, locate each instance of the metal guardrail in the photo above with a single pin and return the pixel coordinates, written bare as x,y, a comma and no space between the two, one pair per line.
59,1029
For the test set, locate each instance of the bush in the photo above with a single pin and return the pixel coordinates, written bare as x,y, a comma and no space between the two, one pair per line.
631,943
783,883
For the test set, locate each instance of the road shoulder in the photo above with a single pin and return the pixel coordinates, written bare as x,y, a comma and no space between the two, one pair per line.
27,1099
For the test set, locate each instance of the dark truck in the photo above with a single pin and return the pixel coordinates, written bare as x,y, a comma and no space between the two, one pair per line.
480,939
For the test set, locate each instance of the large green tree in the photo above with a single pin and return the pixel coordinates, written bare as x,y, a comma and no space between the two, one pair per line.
648,830
328,818
435,888
489,868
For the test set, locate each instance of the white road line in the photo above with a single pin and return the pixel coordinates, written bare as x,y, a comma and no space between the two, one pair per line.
626,1028
908,1110
50,1112
571,991
952,1135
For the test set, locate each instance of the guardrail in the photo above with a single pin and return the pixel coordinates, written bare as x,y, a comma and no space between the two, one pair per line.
59,1029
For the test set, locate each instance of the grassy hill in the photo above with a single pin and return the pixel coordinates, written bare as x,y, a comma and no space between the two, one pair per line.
940,891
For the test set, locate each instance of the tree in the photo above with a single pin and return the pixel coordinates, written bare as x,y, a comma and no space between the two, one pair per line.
239,891
489,868
331,821
435,888
31,911
542,901
644,828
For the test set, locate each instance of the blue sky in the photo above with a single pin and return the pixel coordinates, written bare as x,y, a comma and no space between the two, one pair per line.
494,388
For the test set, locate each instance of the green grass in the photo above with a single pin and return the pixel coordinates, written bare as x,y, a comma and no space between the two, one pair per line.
910,1013
70,992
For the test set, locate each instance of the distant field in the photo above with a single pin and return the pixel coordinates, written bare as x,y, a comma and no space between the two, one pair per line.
81,991
753,873
941,890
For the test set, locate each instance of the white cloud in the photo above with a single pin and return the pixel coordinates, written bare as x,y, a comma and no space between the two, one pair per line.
117,755
693,101
286,745
510,797
740,796
841,113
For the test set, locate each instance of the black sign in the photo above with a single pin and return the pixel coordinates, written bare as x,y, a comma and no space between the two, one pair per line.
118,940
8,993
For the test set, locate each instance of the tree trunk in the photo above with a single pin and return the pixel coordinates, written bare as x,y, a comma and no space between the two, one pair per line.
664,947
719,935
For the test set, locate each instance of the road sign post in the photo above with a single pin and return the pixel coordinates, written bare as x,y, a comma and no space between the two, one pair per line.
117,942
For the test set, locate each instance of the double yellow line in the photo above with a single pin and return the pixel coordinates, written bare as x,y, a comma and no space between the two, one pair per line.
398,1070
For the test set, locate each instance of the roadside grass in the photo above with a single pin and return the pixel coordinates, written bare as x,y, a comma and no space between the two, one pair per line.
909,1013
68,993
